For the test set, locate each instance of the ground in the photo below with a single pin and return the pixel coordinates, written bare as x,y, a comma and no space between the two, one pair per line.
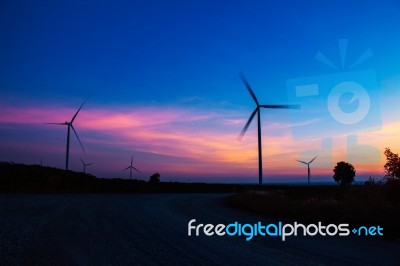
106,229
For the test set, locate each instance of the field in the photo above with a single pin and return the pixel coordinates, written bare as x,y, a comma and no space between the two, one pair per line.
368,205
62,217
152,229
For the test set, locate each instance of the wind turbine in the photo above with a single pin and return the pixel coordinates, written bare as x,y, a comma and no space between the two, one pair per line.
70,125
84,165
257,111
130,167
308,167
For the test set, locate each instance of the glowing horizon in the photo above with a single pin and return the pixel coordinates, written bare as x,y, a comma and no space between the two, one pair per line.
164,86
183,142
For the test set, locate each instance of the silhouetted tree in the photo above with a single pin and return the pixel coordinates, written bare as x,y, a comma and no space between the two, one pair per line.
392,166
155,179
374,181
344,173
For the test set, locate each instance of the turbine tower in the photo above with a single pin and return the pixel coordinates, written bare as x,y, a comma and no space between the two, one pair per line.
84,165
70,125
308,167
257,111
130,167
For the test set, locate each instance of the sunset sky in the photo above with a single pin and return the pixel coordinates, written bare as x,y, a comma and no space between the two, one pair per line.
162,77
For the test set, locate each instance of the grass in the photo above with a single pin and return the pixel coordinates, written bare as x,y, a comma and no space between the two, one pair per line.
356,205
21,178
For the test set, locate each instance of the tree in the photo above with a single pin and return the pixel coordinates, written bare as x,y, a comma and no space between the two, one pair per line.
344,173
155,178
392,166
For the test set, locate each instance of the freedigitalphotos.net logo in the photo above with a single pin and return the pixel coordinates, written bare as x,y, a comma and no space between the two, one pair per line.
279,229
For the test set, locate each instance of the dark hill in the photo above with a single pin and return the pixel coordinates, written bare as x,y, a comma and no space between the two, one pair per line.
21,178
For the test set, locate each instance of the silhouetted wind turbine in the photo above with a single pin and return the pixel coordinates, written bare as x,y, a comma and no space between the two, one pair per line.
70,125
130,167
308,167
257,111
84,165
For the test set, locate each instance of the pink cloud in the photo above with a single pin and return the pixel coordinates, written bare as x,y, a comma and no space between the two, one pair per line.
179,141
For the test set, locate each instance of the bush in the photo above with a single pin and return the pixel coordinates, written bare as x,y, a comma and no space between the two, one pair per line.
155,179
344,173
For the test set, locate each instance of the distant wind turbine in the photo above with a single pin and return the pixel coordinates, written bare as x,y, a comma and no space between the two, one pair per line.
308,167
70,125
130,167
257,111
84,165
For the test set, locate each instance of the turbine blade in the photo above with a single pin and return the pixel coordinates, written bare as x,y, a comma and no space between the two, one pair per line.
73,118
243,78
281,106
301,162
76,134
83,162
126,168
89,164
61,124
313,159
136,169
247,124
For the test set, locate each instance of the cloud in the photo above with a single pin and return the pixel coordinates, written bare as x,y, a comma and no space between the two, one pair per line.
174,140
204,137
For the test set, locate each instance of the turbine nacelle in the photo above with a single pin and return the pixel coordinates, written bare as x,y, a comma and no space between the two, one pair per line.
130,167
70,125
308,163
308,167
85,164
257,111
258,106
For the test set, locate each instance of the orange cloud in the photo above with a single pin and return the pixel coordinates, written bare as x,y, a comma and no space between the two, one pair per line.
189,141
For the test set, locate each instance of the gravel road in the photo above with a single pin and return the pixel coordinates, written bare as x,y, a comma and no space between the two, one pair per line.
152,230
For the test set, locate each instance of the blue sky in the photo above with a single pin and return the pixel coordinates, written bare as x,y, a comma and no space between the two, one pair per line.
183,55
140,51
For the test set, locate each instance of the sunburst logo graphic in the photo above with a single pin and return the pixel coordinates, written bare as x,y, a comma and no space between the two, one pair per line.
344,102
348,102
343,52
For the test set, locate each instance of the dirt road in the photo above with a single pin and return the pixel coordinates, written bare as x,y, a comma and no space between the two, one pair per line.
152,229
